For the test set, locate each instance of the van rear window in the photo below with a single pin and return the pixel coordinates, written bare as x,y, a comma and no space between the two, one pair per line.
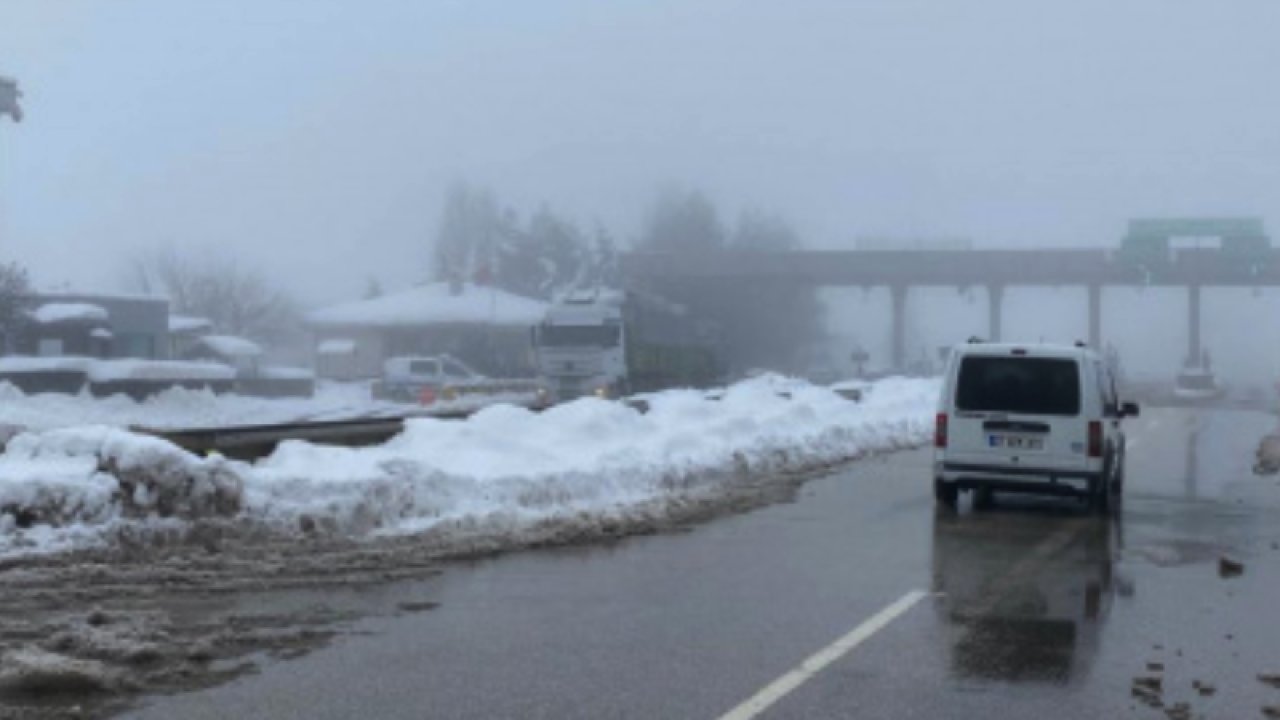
1033,386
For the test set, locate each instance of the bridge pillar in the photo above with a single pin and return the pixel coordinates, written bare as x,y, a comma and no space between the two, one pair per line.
1194,351
1095,317
899,346
995,312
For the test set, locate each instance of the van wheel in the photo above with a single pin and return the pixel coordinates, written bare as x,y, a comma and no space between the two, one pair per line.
983,498
945,493
1100,495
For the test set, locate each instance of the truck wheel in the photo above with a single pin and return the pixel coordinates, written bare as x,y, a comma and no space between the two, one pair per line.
946,494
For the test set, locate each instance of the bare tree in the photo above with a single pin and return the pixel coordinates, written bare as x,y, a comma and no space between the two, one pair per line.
236,299
471,227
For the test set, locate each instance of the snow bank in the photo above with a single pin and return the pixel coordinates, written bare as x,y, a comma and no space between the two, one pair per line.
118,369
30,364
500,471
63,487
183,408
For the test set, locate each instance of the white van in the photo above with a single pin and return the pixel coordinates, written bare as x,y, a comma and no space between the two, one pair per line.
1029,418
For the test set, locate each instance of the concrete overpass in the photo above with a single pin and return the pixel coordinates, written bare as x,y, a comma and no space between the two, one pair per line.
995,270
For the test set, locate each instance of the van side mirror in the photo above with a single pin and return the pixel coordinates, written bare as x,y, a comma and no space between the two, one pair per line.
1129,409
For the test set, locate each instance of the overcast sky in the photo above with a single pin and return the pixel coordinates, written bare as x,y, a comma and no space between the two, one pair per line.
316,137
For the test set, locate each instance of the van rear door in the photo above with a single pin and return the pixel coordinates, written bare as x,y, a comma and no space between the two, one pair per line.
1018,410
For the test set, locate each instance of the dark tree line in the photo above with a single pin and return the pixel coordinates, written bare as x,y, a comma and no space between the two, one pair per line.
540,256
480,241
15,300
772,326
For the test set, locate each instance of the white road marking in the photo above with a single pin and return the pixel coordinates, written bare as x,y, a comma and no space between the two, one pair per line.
776,690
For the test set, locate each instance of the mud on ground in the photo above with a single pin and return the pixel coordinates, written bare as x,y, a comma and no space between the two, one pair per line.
85,634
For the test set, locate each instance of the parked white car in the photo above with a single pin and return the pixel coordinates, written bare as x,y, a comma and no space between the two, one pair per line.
1030,418
442,379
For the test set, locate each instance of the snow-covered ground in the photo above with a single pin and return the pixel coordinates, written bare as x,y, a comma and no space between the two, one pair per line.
500,471
182,408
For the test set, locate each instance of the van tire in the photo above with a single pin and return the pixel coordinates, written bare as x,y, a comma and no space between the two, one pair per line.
1100,494
983,498
946,494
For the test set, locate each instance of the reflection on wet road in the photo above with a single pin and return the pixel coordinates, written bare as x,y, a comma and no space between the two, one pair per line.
1035,609
1024,594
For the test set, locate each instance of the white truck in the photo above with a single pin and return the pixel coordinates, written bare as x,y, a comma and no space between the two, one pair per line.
610,343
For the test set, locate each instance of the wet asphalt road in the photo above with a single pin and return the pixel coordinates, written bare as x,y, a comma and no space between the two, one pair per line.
1032,608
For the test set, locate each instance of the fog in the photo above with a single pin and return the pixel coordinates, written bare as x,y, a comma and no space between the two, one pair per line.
315,139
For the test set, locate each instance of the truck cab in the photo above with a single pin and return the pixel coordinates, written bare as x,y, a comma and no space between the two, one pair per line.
581,346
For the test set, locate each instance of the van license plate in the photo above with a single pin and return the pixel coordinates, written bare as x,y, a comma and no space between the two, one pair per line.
1015,442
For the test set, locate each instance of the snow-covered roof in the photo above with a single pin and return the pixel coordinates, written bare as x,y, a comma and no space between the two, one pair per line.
231,346
57,312
30,364
188,323
159,370
102,334
336,346
121,369
281,372
434,304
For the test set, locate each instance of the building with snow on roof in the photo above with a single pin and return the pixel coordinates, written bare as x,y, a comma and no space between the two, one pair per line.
240,353
95,325
486,327
184,331
68,328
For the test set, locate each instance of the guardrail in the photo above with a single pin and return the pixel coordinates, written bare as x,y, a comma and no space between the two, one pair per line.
250,442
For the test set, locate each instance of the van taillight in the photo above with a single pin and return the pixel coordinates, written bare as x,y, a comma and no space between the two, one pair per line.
1095,439
940,431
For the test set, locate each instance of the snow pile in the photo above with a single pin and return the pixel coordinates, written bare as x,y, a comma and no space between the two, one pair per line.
60,487
504,470
509,465
184,408
118,369
11,364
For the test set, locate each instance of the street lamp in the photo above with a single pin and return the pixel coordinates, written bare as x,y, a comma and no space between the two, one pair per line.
9,94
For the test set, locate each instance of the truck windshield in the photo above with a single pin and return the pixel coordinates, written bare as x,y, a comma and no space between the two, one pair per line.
579,335
1034,386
